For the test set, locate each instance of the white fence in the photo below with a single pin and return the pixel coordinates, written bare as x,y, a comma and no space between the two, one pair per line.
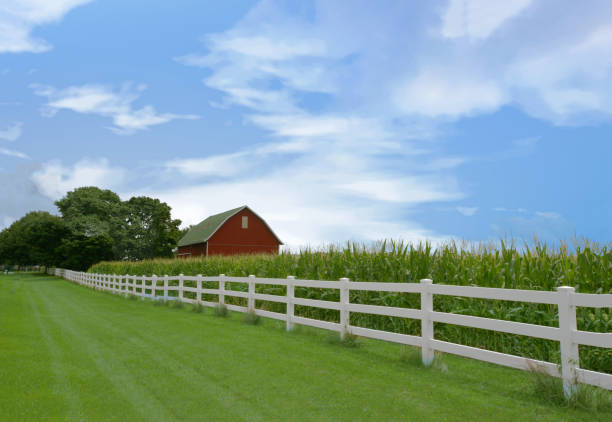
565,298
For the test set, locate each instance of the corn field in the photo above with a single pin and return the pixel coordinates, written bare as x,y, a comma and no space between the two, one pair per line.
588,268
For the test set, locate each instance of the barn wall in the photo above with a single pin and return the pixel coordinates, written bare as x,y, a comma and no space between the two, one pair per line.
191,251
232,239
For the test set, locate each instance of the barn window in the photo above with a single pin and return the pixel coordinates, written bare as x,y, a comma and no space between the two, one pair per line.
245,222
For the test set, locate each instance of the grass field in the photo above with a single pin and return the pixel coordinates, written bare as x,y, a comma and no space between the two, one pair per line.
71,353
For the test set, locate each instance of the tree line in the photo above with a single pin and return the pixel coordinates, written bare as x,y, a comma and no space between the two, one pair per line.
94,225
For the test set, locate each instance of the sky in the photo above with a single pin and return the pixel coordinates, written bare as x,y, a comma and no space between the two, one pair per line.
333,120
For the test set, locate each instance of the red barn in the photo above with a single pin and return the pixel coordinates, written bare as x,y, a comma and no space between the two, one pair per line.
237,231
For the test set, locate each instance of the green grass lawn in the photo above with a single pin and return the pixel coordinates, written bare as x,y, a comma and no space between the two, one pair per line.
71,353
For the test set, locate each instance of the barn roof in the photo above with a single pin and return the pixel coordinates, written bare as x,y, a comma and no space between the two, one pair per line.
204,230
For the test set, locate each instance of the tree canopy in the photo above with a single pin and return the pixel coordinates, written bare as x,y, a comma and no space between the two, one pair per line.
95,225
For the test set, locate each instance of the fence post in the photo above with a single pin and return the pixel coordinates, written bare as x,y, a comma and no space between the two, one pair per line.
127,285
251,301
290,305
143,285
180,290
427,331
199,289
154,287
344,301
165,287
221,289
570,357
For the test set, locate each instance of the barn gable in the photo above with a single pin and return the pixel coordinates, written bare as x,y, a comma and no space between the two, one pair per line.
203,231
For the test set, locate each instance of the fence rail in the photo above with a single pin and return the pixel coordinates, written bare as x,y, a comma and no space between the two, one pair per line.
567,334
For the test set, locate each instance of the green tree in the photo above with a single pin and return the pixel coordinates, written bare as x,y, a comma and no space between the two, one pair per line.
151,231
80,252
33,239
95,226
90,212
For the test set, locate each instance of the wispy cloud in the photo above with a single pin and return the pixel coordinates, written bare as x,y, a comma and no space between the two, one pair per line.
54,179
478,19
13,153
19,17
104,101
348,172
545,225
551,215
467,211
12,133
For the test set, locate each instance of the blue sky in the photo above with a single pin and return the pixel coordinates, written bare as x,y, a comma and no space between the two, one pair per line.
334,120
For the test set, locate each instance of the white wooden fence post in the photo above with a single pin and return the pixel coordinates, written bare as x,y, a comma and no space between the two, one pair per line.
427,331
344,301
154,287
143,285
221,289
290,305
570,357
199,289
165,287
127,285
180,290
251,300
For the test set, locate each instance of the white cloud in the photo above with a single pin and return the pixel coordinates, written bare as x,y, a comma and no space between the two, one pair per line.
23,193
54,180
13,153
356,160
450,94
301,212
325,175
12,133
103,101
262,47
551,215
217,165
467,211
19,17
478,19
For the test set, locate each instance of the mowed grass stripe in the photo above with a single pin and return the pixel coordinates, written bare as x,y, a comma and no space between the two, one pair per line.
115,380
78,354
136,356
